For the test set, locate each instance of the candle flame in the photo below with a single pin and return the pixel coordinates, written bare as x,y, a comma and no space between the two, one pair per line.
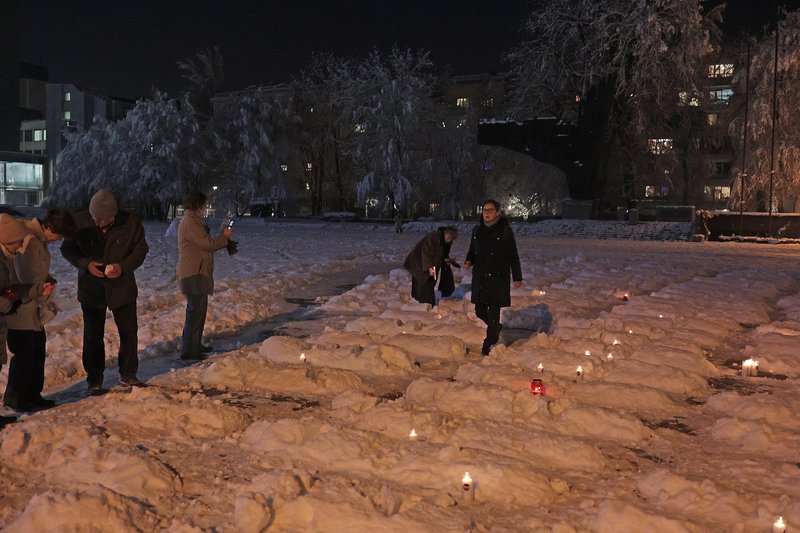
540,367
413,434
302,357
616,342
587,353
660,316
610,356
466,479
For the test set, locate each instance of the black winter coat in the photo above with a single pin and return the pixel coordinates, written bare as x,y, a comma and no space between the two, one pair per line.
493,253
124,244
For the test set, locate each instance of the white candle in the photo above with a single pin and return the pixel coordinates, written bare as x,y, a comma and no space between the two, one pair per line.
466,482
587,353
660,316
542,293
616,342
579,372
630,331
779,526
303,358
610,357
413,434
749,367
541,368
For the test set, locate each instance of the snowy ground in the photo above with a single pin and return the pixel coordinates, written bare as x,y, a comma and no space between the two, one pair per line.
663,436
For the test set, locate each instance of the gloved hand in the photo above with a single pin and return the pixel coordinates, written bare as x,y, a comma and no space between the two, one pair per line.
232,247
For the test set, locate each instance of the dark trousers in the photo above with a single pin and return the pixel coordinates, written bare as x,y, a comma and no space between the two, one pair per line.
196,308
424,292
490,314
94,348
26,371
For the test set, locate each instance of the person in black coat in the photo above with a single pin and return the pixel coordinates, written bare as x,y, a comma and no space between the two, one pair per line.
493,254
107,248
426,260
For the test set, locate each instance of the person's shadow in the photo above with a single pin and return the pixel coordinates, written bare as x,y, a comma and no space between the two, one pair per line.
524,323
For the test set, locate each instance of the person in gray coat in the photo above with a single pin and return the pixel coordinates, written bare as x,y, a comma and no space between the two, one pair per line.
12,293
195,271
424,262
107,248
26,335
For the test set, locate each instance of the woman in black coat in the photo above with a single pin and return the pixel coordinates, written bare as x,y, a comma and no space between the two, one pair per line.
425,261
493,253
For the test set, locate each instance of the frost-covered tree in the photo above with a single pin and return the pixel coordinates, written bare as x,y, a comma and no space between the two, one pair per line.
326,127
157,166
243,130
454,172
144,158
83,166
610,66
786,163
389,99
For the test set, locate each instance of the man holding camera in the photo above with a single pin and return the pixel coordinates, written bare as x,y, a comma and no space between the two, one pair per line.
107,248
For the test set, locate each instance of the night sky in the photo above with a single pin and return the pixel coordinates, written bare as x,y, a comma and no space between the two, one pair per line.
124,50
129,48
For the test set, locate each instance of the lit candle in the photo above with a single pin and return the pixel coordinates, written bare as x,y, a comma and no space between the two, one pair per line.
413,434
466,482
587,353
610,357
579,372
625,297
537,387
749,367
630,331
541,368
779,526
616,342
542,293
303,358
660,316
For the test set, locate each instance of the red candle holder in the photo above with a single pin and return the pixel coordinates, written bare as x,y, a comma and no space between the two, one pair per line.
625,297
537,386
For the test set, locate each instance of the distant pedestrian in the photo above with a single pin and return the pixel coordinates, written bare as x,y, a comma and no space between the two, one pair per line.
195,268
493,253
108,247
26,334
12,294
425,262
398,222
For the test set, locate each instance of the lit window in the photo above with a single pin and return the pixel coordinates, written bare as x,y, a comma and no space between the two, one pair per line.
712,119
67,97
308,186
720,96
656,191
722,70
284,168
717,192
659,146
433,207
685,99
37,135
309,166
360,128
462,102
67,115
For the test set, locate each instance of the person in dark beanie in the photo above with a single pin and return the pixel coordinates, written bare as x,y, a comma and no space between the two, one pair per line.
493,253
107,248
425,260
26,335
195,270
12,294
